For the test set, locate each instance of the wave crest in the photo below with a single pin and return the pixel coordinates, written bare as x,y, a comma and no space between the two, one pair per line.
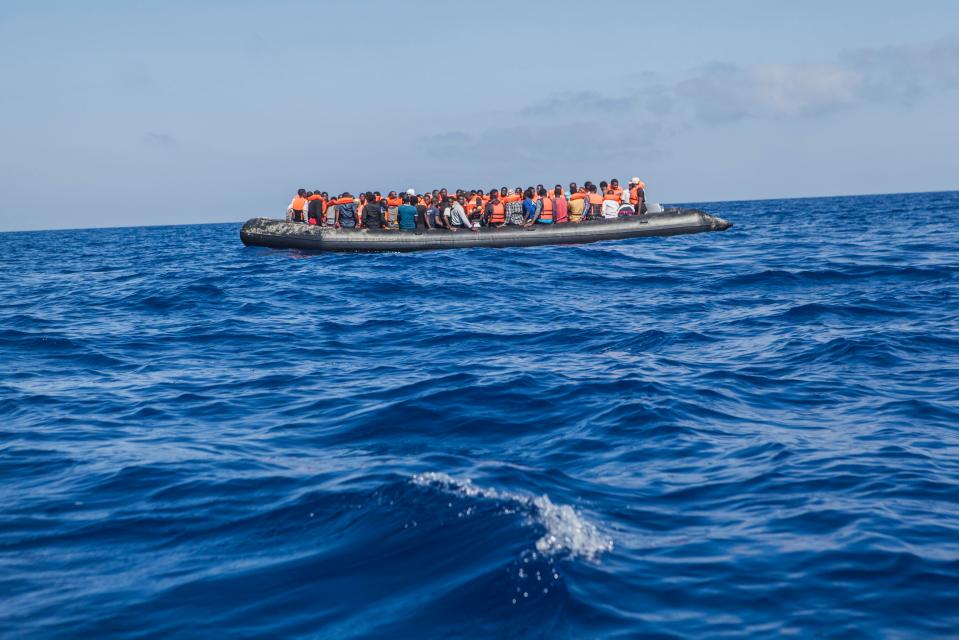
566,531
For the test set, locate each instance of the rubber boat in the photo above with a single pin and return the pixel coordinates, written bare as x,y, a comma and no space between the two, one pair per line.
279,234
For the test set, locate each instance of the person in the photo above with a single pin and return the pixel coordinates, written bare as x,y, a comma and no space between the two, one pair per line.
495,214
458,216
544,209
406,214
560,206
421,209
372,213
433,213
314,208
345,211
443,214
514,207
595,203
360,203
612,198
577,205
531,207
294,212
393,202
329,211
637,196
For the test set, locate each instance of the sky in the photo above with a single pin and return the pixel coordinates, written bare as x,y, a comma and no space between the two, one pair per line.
174,112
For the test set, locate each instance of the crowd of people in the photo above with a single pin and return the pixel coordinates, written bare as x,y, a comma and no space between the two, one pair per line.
469,209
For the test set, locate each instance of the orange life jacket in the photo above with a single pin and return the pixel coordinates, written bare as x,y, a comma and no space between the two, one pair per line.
499,214
595,198
615,196
547,213
314,197
299,203
515,197
578,196
343,201
393,202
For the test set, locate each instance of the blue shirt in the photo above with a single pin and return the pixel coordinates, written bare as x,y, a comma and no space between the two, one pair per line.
406,216
529,208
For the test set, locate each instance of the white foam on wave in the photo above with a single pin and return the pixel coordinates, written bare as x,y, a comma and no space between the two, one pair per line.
567,532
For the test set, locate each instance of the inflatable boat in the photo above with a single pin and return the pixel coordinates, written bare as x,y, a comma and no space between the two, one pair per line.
278,234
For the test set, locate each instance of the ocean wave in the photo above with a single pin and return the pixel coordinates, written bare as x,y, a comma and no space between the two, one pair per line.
566,531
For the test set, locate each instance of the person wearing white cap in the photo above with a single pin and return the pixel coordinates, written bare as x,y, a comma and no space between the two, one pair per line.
637,195
411,192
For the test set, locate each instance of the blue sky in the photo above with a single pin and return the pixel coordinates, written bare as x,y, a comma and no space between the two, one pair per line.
129,113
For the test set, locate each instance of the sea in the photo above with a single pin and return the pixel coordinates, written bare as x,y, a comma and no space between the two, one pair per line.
746,433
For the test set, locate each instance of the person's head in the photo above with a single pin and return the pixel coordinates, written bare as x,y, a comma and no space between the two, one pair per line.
573,188
518,190
369,196
592,188
427,199
326,196
504,192
308,194
377,194
301,193
634,181
411,192
558,190
614,183
392,194
529,193
538,188
494,195
317,192
461,198
603,185
542,192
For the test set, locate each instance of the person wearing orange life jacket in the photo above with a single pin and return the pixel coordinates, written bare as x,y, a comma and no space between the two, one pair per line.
314,208
495,214
612,199
346,215
544,209
637,195
393,203
577,204
595,203
294,212
514,207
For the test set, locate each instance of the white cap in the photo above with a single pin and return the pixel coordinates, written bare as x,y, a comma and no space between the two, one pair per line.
411,192
635,181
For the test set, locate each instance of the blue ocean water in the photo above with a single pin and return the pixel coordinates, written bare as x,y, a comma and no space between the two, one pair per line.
753,432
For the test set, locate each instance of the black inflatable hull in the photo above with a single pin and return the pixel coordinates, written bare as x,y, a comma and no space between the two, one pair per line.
278,234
